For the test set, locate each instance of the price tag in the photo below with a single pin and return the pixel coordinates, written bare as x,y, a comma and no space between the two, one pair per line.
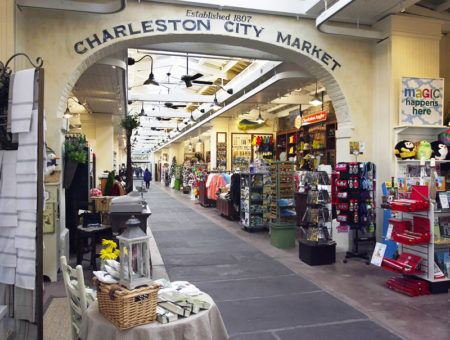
389,231
378,254
444,200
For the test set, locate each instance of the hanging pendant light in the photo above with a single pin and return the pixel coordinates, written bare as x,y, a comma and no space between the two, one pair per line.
260,119
151,78
315,100
191,119
199,142
215,105
190,147
67,114
142,110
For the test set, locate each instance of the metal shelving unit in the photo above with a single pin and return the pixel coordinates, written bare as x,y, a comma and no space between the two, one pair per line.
253,205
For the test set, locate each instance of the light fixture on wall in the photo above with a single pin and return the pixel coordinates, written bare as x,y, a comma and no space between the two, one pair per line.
215,105
260,119
315,100
151,77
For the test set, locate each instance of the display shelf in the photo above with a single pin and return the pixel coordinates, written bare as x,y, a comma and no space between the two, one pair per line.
418,161
282,176
426,251
252,209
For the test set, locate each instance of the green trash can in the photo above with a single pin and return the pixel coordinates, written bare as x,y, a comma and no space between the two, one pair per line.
282,234
177,184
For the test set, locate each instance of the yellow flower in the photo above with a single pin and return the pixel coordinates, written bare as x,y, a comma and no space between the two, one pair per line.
125,251
109,243
107,255
117,252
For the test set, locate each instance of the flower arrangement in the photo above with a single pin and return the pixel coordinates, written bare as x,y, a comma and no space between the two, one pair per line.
111,252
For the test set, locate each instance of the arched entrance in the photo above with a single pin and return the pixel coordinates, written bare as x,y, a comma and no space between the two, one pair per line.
333,87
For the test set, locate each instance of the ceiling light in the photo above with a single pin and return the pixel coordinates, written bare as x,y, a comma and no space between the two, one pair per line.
67,114
151,78
191,119
142,110
260,119
215,105
199,142
315,100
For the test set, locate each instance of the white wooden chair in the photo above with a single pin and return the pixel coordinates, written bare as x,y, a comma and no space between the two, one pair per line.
76,295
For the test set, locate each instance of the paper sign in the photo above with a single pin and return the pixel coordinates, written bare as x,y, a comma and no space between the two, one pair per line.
357,148
378,254
444,200
421,101
343,228
389,231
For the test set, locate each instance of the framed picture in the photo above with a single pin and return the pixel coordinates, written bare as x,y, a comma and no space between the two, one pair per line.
421,101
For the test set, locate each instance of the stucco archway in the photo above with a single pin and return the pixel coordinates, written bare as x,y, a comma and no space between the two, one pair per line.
334,90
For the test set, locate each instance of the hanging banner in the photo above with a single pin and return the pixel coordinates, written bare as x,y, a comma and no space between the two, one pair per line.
314,118
421,101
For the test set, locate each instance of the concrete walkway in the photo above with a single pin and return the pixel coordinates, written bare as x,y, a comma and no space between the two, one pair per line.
259,297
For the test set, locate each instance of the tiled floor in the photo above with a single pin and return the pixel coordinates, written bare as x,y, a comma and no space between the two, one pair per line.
268,293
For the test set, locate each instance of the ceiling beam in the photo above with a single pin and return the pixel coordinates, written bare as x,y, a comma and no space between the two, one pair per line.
443,7
174,97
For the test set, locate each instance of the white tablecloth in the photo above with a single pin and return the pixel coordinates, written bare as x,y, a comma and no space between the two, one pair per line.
206,325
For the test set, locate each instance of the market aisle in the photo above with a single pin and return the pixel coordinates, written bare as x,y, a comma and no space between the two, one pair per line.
259,297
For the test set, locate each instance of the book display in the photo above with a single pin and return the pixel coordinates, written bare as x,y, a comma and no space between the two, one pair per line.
355,197
253,204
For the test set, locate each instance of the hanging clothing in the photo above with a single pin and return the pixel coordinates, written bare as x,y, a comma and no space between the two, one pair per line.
235,189
216,182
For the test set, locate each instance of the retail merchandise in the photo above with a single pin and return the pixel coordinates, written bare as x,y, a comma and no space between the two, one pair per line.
356,203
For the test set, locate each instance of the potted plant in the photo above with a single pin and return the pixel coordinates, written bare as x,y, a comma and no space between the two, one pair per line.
129,123
75,152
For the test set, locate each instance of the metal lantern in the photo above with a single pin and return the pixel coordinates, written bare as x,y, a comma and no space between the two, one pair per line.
134,255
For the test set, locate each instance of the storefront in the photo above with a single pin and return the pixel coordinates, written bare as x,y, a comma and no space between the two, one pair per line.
361,79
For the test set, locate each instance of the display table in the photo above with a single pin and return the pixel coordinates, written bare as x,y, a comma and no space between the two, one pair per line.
206,325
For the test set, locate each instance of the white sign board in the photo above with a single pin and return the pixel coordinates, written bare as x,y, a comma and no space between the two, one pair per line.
421,101
378,254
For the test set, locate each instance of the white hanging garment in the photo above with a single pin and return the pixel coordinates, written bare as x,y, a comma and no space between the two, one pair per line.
8,209
22,100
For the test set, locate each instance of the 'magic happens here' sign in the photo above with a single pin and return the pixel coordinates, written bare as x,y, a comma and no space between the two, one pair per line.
421,101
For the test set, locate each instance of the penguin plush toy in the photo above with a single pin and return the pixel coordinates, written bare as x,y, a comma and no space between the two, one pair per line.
405,150
440,150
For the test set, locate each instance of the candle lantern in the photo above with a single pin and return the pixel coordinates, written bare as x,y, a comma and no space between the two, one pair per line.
134,255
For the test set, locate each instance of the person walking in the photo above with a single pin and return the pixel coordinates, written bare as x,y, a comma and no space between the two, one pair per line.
147,178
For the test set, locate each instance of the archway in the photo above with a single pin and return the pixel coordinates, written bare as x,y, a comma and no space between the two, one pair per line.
334,90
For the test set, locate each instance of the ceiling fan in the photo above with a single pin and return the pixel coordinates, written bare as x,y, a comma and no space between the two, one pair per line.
172,106
189,79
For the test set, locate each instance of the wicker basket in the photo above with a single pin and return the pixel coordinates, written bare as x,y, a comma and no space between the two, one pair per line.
127,308
102,203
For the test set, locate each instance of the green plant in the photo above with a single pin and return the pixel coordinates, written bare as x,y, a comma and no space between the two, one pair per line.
129,123
109,182
75,148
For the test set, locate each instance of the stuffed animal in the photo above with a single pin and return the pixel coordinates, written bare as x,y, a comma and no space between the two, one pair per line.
424,150
440,150
444,137
405,150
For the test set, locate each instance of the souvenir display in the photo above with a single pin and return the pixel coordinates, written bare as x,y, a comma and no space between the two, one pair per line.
405,150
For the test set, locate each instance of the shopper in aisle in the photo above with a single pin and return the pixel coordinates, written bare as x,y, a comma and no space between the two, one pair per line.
147,178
